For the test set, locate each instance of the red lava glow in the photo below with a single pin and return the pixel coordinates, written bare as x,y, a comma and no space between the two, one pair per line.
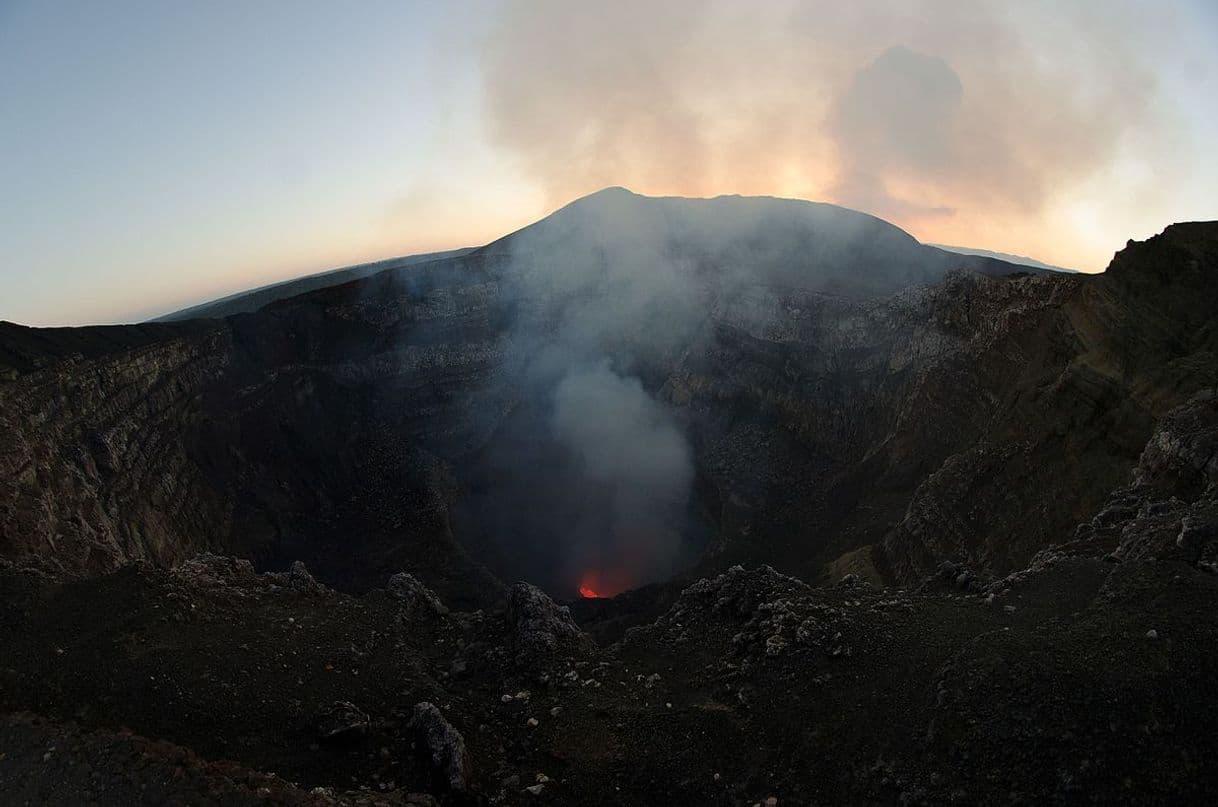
595,585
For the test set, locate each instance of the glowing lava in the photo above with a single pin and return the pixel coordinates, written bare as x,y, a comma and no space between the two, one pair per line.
595,585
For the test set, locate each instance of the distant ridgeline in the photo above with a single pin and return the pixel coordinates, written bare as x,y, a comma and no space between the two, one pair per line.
244,302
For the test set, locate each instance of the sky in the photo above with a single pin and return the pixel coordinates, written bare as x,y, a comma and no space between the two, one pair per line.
157,154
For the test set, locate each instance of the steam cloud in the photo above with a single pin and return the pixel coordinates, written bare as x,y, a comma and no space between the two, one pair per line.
591,474
629,447
930,113
591,470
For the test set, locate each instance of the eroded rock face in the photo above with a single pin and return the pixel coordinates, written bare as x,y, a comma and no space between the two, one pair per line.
1109,394
1169,509
95,463
1182,455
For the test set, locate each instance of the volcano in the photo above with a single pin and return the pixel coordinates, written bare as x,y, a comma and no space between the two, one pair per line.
481,396
866,503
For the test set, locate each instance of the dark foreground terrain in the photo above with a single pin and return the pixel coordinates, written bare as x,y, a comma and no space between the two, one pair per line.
948,531
1087,678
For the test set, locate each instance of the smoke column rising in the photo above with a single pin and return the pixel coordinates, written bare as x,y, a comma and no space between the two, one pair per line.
982,122
630,449
591,469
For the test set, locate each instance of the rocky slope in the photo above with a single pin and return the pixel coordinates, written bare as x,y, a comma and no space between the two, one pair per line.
1085,677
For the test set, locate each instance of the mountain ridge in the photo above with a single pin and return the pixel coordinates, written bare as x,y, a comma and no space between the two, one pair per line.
250,300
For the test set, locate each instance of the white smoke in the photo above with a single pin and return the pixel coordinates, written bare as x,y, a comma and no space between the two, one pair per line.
636,458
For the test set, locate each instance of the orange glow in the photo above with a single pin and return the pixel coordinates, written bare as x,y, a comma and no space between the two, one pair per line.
595,585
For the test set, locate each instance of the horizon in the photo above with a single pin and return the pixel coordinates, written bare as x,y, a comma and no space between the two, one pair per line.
169,156
240,292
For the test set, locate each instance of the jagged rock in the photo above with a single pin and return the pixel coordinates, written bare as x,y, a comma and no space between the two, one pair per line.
300,580
739,591
342,720
1169,508
443,744
416,598
1183,451
216,571
539,626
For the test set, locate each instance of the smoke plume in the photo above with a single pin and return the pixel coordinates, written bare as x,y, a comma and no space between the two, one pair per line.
630,452
590,474
944,117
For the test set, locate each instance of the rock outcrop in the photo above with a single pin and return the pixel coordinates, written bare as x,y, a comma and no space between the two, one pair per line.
443,746
539,627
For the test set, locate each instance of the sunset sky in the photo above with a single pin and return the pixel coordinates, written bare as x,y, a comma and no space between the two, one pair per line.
156,154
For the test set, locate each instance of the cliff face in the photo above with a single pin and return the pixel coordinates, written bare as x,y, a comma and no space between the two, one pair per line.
1102,368
96,468
363,428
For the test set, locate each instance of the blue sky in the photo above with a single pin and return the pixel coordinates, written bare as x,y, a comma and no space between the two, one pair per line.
154,154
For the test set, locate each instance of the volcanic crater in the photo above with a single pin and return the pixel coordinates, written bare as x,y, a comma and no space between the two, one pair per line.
657,500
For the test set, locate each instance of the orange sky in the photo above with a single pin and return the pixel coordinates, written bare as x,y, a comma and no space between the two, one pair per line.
172,153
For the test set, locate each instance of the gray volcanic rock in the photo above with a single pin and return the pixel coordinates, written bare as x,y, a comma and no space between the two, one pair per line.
95,461
1169,510
415,597
539,627
444,745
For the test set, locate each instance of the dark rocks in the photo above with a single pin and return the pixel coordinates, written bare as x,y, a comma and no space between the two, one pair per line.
742,591
852,580
229,576
216,571
301,581
342,721
416,598
539,627
443,746
952,575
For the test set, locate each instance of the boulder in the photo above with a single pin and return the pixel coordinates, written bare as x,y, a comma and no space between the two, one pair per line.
443,746
416,598
538,625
